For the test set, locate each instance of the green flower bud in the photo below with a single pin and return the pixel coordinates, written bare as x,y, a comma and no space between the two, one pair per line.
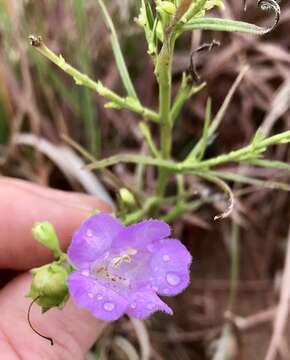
44,233
49,286
210,4
127,197
167,7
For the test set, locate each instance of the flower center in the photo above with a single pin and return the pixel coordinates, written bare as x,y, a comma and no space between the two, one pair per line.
115,269
124,257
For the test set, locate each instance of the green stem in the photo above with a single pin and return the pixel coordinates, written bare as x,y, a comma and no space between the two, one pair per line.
163,73
81,79
181,209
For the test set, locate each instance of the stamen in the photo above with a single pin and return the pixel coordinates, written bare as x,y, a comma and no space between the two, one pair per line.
126,257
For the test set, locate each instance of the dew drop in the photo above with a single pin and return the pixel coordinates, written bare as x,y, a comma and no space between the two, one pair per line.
165,291
166,257
99,297
89,233
173,279
156,268
133,305
108,306
85,273
90,295
150,306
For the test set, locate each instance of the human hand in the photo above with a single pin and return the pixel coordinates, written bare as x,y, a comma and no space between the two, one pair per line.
72,329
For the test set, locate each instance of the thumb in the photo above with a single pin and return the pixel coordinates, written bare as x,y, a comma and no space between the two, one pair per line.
22,204
73,330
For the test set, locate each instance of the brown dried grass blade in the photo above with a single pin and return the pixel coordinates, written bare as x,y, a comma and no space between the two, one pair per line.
281,317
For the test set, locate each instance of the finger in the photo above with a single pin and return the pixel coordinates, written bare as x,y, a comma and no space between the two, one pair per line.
73,330
22,205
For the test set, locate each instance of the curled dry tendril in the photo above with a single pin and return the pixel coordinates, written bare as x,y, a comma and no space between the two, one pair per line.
268,5
192,67
271,5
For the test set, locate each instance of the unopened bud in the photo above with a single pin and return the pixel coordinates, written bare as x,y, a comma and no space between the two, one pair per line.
49,288
127,197
167,7
44,233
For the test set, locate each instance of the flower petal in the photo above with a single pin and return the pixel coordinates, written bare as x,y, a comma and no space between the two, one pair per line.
104,303
145,302
170,267
93,238
142,234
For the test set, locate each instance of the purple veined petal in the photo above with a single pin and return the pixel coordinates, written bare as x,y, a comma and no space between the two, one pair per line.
145,302
93,238
142,234
104,303
169,267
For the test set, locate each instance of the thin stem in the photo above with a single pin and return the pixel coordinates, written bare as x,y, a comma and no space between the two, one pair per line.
149,140
81,79
184,93
180,209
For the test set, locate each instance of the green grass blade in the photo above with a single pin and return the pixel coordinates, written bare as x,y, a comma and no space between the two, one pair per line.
88,109
122,67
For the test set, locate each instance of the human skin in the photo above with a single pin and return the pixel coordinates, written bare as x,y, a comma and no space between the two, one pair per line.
73,330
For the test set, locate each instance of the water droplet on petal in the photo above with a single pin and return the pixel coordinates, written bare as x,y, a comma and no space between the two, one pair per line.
165,291
133,305
166,257
150,306
99,297
89,233
90,295
108,306
173,279
155,288
156,268
85,273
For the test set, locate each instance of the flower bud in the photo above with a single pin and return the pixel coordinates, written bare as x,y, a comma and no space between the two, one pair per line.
167,7
44,233
49,286
127,197
210,4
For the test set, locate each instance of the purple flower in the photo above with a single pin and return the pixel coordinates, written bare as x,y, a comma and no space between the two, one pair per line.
122,269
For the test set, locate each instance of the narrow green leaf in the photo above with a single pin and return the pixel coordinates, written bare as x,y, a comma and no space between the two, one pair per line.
149,15
273,164
235,177
217,24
